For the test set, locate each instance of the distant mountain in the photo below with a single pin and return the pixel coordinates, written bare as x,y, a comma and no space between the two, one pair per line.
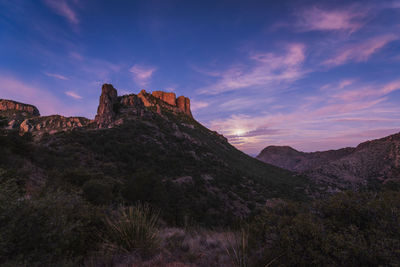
145,147
371,162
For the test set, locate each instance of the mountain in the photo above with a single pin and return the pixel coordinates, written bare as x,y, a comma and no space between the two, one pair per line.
371,162
145,147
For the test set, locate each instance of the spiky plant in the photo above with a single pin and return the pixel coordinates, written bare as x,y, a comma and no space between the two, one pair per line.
134,229
237,248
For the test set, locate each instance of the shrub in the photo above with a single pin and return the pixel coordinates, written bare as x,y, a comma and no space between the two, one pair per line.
347,229
133,229
97,192
44,229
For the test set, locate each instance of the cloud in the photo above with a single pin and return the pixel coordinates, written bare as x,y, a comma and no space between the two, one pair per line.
360,51
15,89
57,76
196,105
268,69
349,20
142,74
334,118
63,8
73,95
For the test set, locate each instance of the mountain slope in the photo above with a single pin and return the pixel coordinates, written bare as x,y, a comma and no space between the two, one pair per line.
371,162
142,148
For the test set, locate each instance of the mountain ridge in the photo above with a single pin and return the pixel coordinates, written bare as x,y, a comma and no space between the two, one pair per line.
141,148
369,162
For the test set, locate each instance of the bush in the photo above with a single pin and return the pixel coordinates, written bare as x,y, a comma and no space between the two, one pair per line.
133,229
97,192
348,229
44,229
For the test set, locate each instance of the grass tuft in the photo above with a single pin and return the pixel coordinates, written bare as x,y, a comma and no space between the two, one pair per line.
134,229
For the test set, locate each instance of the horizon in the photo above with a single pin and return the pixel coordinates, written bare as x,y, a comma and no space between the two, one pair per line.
315,76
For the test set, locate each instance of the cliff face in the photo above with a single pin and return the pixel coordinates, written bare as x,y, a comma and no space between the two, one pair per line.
168,101
9,105
106,110
112,110
52,124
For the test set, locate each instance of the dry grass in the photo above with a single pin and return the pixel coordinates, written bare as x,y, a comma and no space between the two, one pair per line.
178,248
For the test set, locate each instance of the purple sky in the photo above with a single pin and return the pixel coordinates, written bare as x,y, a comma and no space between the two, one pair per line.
314,75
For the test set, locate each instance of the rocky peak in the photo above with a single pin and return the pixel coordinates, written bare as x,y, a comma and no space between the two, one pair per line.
9,105
184,105
167,97
106,110
180,104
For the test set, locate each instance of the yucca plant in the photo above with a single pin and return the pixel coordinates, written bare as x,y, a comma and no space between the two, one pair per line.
134,229
237,249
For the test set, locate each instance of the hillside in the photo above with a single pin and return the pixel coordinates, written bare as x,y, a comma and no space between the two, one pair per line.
369,164
149,148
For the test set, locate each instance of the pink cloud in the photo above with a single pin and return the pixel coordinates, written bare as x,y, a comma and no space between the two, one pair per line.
73,95
267,70
328,121
142,74
318,19
361,51
196,105
63,8
368,91
57,76
16,89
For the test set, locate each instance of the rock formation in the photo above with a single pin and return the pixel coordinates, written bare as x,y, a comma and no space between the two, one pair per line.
184,105
107,105
112,110
9,105
52,124
169,98
176,105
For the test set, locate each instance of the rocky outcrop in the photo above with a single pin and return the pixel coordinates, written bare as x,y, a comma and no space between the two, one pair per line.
169,101
107,105
169,98
184,105
9,105
112,110
52,124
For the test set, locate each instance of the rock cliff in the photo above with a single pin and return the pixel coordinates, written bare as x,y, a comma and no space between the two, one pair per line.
107,105
10,106
168,101
112,110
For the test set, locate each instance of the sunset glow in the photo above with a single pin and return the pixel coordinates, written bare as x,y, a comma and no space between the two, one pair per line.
314,75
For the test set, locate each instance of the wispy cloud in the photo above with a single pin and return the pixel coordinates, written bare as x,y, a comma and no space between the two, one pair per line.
55,75
331,119
142,74
349,20
196,105
73,95
361,51
268,69
15,89
64,8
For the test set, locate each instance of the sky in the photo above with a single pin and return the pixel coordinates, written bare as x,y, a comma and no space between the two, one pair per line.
314,75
